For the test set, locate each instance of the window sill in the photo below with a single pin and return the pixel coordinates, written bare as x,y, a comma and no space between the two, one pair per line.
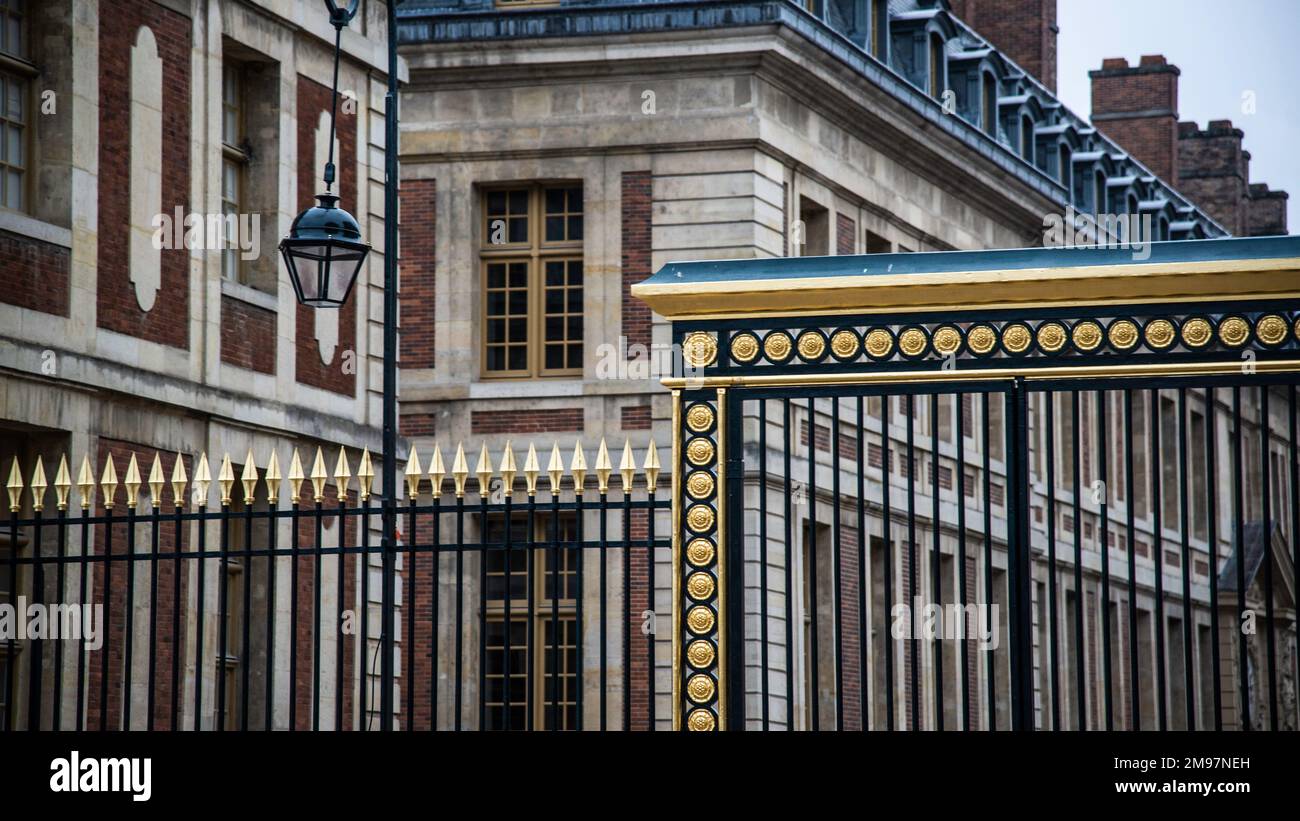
18,223
249,294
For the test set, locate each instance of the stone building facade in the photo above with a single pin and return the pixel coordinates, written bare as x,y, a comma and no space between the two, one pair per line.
123,332
712,130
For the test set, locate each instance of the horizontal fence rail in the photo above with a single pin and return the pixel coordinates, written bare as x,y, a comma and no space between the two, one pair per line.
254,602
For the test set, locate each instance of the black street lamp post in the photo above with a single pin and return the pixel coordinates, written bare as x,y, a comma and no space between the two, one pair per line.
324,253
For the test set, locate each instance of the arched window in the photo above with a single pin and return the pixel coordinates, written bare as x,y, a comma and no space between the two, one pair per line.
1027,139
989,114
936,66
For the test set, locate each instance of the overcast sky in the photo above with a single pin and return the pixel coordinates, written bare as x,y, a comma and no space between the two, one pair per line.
1223,50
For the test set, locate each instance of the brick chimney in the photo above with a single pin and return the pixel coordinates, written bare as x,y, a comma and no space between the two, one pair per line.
1265,211
1214,172
1137,107
1024,30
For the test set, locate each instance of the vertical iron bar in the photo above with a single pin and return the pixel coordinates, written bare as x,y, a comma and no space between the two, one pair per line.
294,548
1212,513
1103,448
936,557
1189,684
245,655
317,556
989,662
556,579
864,556
1266,457
579,623
914,693
1081,690
1049,434
61,596
789,569
1018,557
82,695
650,605
762,557
37,645
1239,513
1134,680
627,603
435,573
836,563
273,522
603,583
963,592
129,640
508,493
530,629
200,599
1154,466
10,713
460,606
219,678
811,569
482,603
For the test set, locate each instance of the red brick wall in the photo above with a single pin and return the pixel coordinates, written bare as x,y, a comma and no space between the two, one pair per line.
416,424
418,228
641,600
637,197
313,98
1024,30
532,421
1266,211
247,335
166,644
168,322
845,234
1137,107
635,417
34,274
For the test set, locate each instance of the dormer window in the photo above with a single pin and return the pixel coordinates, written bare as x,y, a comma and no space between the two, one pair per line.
1063,163
936,66
1027,139
988,112
1099,193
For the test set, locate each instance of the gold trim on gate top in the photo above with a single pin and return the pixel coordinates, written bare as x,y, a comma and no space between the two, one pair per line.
985,374
1025,288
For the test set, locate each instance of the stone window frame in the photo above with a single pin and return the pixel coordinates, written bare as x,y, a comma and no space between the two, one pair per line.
535,251
16,69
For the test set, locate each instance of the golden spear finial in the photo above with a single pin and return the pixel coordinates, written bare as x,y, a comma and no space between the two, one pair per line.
365,475
86,483
249,478
296,476
460,469
555,468
38,485
178,481
508,470
651,466
15,487
342,473
437,472
578,466
483,470
63,482
627,466
603,467
318,475
132,482
273,478
108,482
413,471
156,481
226,478
531,469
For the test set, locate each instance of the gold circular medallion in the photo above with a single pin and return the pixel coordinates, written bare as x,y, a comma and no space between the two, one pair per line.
700,654
699,451
844,344
699,552
1086,335
699,418
1297,328
744,347
879,343
1016,338
701,721
981,339
700,518
1196,332
700,689
699,586
1123,334
699,349
912,341
777,346
1271,329
1160,334
1051,336
946,340
699,485
1234,331
811,345
699,619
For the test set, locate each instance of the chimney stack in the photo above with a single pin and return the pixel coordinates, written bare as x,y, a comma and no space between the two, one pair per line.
1137,107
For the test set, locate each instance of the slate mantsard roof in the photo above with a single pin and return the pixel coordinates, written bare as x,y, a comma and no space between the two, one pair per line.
1127,180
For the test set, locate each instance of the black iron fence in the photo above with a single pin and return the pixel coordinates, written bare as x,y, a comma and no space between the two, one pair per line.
518,607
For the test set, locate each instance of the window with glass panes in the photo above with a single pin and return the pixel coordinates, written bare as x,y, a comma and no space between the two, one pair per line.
532,268
16,75
234,159
536,602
